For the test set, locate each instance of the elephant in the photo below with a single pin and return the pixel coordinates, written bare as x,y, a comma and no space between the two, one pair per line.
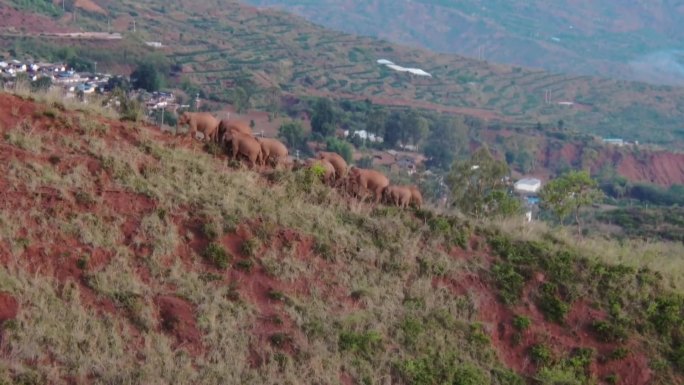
272,149
235,125
204,122
337,161
367,180
243,144
398,195
328,176
416,196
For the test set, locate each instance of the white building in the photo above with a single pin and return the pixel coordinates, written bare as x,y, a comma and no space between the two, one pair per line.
527,185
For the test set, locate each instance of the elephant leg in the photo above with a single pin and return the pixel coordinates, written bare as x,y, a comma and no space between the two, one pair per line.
378,194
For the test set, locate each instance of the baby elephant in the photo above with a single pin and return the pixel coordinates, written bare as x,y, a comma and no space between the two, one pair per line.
398,195
272,150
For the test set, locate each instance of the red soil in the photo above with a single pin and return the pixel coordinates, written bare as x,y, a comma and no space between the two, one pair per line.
177,317
514,346
52,253
9,307
661,168
30,22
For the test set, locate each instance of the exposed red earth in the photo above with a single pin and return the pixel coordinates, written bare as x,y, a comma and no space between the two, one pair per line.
58,255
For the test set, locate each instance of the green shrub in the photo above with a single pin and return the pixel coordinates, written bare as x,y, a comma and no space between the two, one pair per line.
508,281
439,225
279,339
557,376
210,230
245,265
277,295
217,255
469,375
506,377
541,355
251,246
554,308
521,322
366,343
609,331
667,313
477,335
412,328
619,353
213,148
678,358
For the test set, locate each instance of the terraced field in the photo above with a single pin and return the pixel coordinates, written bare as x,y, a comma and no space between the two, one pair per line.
222,41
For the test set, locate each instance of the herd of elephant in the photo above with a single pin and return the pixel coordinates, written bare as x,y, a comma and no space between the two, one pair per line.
238,141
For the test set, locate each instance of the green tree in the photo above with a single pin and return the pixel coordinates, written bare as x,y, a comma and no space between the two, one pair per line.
43,83
119,82
341,147
147,77
294,136
568,194
393,129
375,121
240,99
478,186
447,140
323,119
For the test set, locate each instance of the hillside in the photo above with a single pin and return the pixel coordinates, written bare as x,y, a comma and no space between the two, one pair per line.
219,47
130,256
609,38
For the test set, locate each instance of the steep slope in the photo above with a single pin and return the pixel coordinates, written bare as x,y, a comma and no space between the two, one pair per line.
610,38
219,45
128,256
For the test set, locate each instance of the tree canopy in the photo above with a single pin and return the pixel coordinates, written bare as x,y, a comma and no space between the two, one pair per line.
569,193
147,77
323,119
294,136
478,186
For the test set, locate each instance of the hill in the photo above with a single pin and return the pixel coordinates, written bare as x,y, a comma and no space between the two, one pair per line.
216,48
130,256
608,38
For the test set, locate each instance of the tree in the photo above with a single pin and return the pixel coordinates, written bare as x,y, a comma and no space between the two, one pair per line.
393,129
240,99
375,121
294,136
323,119
478,186
43,83
568,194
341,147
119,82
147,77
447,140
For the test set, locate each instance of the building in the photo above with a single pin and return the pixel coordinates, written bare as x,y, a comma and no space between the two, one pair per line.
614,141
527,186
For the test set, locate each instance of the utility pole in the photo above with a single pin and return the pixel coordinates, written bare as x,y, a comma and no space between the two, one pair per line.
62,5
162,119
133,25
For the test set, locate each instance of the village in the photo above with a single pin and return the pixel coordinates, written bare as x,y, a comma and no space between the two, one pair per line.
76,84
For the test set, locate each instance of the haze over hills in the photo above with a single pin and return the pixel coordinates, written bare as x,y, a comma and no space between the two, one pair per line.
218,46
633,40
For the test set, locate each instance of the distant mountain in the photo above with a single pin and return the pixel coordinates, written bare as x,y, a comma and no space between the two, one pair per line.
214,46
629,39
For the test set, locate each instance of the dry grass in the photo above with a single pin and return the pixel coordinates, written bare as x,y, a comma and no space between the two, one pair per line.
383,260
661,256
